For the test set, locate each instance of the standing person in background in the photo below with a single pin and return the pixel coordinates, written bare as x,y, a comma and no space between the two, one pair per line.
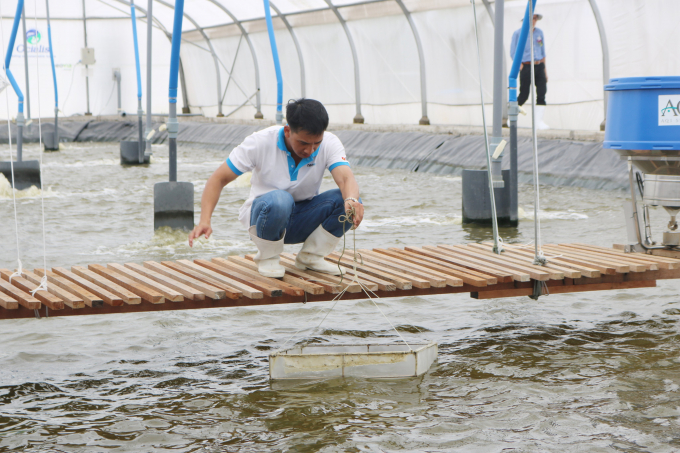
541,73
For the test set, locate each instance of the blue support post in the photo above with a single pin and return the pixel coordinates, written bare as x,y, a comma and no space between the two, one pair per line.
277,65
141,143
519,52
53,144
174,201
17,90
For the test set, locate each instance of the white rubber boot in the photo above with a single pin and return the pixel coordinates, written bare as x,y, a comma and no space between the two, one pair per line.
267,258
540,111
319,244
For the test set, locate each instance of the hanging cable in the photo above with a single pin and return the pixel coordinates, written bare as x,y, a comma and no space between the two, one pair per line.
539,257
497,241
19,270
43,280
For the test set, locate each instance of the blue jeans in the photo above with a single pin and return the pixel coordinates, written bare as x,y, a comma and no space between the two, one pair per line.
276,211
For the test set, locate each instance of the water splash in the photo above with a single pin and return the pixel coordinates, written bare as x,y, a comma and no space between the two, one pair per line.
551,215
6,191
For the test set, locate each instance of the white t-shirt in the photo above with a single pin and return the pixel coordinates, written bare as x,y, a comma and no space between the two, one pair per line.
265,154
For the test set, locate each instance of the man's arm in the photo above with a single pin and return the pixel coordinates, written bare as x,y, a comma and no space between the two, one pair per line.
211,195
344,178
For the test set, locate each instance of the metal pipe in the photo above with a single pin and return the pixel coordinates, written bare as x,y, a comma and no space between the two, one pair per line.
212,52
149,30
173,125
605,55
28,89
277,64
258,105
357,86
140,142
117,77
54,77
183,82
15,85
87,76
421,57
504,93
303,82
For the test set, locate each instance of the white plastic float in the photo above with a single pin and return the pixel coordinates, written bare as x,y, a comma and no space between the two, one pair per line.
341,360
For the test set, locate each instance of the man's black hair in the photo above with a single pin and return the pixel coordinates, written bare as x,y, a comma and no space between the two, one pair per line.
307,115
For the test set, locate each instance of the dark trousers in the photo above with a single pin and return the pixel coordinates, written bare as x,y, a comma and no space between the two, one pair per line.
525,84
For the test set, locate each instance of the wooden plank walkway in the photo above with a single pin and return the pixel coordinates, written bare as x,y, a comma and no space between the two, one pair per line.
388,272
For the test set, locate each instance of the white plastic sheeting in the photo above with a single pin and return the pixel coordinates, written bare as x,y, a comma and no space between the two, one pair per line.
640,44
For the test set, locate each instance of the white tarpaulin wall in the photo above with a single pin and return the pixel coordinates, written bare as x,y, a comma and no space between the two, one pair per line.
640,44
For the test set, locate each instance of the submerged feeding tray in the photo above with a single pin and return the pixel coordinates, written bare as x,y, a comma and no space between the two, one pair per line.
129,153
26,173
342,360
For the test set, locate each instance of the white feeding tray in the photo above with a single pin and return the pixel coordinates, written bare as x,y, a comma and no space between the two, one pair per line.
366,360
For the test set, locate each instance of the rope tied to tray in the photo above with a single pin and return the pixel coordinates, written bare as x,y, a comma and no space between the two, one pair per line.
346,218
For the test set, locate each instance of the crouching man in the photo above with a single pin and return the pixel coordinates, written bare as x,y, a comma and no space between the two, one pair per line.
285,206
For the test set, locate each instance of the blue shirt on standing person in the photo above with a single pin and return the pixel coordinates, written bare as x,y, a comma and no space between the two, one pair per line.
539,46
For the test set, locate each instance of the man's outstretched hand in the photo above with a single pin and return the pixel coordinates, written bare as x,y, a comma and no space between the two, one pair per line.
358,211
198,231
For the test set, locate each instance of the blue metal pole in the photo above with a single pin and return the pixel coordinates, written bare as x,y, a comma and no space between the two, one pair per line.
277,65
519,52
140,143
54,77
17,90
173,125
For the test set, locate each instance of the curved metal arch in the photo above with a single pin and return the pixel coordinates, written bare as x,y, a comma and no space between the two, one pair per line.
357,87
303,82
212,52
605,55
258,114
423,81
159,24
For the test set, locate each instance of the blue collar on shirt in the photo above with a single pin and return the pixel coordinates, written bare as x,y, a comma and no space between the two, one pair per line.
292,169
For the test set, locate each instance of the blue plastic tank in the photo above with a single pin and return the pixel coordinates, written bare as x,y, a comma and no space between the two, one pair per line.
643,113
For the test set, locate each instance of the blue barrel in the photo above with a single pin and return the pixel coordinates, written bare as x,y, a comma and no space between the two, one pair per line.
643,113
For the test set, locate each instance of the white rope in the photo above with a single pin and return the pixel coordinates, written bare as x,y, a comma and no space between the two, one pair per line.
336,299
43,281
497,242
539,257
19,270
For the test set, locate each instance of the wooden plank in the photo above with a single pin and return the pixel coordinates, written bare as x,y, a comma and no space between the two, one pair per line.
49,300
221,265
376,271
90,299
497,294
108,297
166,282
635,266
211,291
308,287
568,272
635,257
475,263
69,299
327,285
228,283
229,290
240,275
127,296
435,280
23,298
467,276
672,258
618,267
553,274
7,302
556,262
288,261
168,293
480,270
144,292
536,274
